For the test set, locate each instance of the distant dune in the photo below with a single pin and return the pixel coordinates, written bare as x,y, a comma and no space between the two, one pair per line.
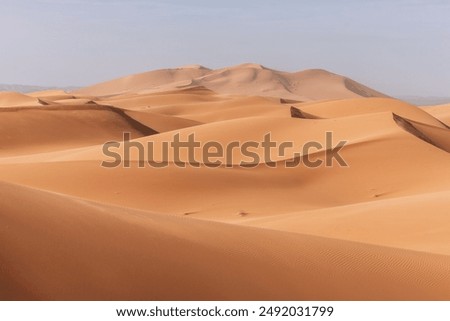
245,79
376,229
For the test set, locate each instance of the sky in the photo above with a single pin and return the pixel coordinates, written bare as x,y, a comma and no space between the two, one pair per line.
397,47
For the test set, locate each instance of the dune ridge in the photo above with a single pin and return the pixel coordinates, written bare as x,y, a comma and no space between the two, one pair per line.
245,79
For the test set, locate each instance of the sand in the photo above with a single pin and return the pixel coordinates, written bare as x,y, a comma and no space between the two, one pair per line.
377,229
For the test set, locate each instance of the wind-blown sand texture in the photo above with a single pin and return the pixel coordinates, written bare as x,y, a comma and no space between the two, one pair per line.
70,229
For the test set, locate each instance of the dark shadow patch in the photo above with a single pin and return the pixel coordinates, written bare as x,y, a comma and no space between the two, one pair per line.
297,113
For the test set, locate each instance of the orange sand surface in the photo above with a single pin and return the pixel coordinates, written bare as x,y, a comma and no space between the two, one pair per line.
70,229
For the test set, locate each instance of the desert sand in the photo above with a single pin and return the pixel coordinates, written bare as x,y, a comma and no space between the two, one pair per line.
377,229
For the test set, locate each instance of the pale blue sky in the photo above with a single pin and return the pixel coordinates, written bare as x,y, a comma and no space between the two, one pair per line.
398,47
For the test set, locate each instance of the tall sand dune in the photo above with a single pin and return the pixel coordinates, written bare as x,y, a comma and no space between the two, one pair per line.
145,80
246,79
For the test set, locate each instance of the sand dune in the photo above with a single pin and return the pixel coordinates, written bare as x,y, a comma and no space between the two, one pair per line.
358,106
373,151
12,99
25,130
416,222
145,80
71,229
442,112
69,245
245,79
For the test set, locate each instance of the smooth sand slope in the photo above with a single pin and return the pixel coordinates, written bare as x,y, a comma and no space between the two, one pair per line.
37,129
378,228
442,112
95,251
245,79
12,99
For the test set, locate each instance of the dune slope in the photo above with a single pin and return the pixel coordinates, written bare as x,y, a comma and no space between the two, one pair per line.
246,79
73,249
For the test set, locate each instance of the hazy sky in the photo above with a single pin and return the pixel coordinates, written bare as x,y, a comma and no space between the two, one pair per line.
398,47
